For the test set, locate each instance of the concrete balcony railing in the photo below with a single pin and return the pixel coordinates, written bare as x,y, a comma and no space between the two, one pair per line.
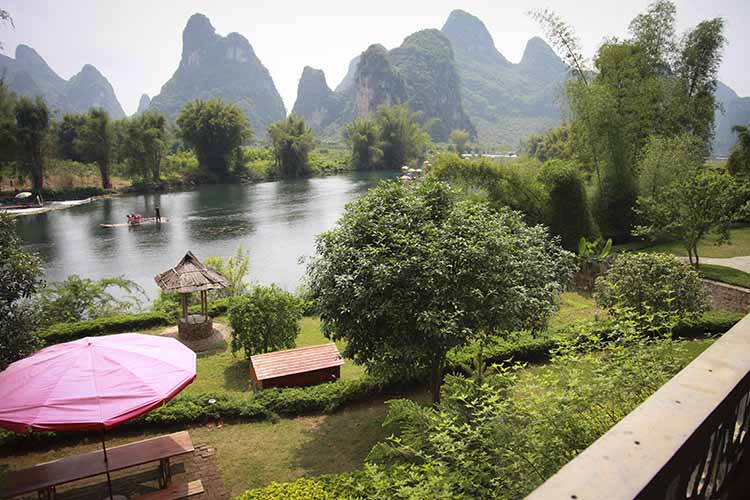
689,440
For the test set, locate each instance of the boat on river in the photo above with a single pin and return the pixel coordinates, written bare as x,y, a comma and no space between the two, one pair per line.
144,221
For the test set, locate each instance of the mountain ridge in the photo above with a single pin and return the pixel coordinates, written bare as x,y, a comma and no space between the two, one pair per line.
28,74
224,67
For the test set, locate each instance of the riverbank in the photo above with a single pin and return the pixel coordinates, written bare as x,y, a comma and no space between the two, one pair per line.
49,207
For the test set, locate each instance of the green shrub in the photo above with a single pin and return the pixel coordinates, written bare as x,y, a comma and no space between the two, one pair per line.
301,489
651,283
711,323
265,319
65,332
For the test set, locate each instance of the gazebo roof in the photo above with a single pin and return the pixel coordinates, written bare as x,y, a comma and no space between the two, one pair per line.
190,275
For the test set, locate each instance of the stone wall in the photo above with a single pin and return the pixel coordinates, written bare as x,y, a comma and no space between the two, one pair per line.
726,297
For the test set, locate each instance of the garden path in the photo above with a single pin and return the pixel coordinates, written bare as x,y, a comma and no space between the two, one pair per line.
742,263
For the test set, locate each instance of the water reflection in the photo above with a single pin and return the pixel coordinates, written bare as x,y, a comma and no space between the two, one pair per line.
276,221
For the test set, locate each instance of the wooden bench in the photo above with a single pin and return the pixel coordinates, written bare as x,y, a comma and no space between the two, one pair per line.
44,478
175,492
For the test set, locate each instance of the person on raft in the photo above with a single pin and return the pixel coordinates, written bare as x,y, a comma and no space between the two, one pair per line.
158,213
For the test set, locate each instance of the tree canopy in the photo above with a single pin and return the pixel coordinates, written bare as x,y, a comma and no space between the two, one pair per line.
410,273
215,130
292,143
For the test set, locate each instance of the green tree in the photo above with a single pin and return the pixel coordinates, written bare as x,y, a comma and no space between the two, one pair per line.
20,277
32,130
404,140
234,269
568,214
738,163
409,273
555,144
665,160
215,130
68,133
363,138
292,143
648,84
696,68
8,128
502,184
144,144
264,320
95,143
690,208
459,140
80,299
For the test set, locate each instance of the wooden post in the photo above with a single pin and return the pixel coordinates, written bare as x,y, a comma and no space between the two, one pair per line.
204,300
184,306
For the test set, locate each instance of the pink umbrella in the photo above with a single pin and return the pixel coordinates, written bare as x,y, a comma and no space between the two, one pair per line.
93,383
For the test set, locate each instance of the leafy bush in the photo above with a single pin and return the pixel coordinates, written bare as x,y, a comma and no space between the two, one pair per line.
82,299
301,489
650,283
65,332
328,162
264,320
502,437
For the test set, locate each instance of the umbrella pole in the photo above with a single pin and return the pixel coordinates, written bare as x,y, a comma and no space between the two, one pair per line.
106,466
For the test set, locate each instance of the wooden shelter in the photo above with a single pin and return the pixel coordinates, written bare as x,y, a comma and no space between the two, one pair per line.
188,276
296,367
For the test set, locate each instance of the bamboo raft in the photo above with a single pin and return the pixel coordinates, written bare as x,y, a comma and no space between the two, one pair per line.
144,221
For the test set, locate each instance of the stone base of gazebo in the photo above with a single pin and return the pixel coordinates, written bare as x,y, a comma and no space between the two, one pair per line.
196,327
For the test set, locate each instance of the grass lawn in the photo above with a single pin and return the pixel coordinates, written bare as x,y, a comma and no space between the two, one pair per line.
221,370
574,307
739,245
725,275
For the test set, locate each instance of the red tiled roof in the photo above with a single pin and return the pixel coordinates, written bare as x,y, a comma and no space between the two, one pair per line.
300,360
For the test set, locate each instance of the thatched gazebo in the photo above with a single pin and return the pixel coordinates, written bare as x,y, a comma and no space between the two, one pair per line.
189,276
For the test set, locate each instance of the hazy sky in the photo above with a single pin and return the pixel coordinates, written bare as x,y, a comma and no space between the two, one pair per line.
136,44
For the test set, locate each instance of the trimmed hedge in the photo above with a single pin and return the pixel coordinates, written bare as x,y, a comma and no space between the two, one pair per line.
65,332
711,323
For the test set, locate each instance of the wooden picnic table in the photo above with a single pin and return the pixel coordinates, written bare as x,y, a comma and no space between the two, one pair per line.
43,478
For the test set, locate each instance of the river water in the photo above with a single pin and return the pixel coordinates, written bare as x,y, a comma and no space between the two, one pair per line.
276,221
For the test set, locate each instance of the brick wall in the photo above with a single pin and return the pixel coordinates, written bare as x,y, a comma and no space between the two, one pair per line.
728,297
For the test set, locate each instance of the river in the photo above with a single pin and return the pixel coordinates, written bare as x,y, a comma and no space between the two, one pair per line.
276,221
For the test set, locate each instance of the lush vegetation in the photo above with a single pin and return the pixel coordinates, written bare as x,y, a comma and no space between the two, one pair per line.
19,279
292,142
463,271
615,123
651,283
215,130
390,140
265,319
